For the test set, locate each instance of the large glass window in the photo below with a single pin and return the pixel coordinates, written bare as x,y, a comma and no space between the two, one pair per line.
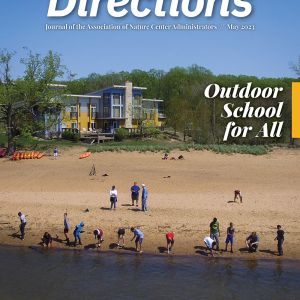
116,99
116,112
106,105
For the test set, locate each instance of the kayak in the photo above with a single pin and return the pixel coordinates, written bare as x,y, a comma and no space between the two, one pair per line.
85,155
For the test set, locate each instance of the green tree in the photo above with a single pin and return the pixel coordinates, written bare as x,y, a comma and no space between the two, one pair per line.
23,100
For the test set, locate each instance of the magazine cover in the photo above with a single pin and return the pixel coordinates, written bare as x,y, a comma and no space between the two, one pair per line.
149,149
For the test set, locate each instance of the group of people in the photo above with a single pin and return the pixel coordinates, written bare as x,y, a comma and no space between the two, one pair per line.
212,242
135,195
251,242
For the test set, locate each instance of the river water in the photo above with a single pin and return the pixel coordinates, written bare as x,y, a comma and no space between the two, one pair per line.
57,274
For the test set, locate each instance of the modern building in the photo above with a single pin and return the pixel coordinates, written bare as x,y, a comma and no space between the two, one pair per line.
111,108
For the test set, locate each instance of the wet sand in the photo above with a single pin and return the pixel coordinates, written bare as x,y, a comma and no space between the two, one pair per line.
184,196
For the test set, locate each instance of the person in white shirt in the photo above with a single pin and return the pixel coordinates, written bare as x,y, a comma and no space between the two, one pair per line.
113,197
210,243
22,225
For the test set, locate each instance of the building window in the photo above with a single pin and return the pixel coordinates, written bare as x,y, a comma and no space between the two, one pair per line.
93,112
117,106
74,125
93,125
116,99
116,112
106,105
73,112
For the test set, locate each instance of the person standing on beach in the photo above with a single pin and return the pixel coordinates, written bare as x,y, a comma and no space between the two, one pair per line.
215,231
280,240
67,227
229,238
22,225
209,243
121,237
135,189
77,233
98,233
170,241
139,237
113,194
144,198
55,153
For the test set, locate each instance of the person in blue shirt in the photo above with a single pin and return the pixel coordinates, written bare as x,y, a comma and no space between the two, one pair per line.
135,189
139,237
77,233
144,198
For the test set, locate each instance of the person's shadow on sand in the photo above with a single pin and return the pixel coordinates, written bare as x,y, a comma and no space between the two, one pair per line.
90,246
268,252
58,240
15,235
134,209
105,208
126,205
113,246
201,250
129,249
162,249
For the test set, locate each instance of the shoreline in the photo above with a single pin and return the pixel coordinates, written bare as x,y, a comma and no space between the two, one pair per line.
281,259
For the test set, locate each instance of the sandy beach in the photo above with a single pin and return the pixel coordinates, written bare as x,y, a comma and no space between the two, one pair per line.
184,196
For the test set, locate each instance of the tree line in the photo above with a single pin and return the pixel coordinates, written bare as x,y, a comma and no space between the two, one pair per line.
24,100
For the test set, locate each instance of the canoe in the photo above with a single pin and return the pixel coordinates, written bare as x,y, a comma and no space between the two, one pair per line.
85,155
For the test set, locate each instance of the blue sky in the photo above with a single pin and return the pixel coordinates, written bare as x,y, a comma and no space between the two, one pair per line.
265,52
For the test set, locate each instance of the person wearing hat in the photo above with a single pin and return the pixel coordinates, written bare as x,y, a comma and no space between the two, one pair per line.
77,233
144,197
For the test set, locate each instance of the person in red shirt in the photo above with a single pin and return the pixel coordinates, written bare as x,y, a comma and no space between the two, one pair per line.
170,241
98,233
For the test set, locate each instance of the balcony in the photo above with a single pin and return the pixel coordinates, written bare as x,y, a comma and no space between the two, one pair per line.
73,115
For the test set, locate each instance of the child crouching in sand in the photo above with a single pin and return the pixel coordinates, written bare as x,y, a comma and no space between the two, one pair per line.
98,233
47,239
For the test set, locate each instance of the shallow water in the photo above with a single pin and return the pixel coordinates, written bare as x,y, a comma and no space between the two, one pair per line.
55,274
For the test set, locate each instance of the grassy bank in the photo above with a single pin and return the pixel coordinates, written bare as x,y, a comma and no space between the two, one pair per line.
157,146
151,145
29,143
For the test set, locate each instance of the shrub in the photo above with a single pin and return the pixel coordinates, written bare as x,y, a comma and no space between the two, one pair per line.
151,132
121,134
68,135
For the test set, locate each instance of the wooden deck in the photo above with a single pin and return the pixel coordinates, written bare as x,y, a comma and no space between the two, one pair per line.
96,137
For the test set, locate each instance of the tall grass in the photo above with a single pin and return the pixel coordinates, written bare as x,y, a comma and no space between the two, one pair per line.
139,147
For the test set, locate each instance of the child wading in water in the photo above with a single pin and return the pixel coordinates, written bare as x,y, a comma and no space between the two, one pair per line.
229,238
